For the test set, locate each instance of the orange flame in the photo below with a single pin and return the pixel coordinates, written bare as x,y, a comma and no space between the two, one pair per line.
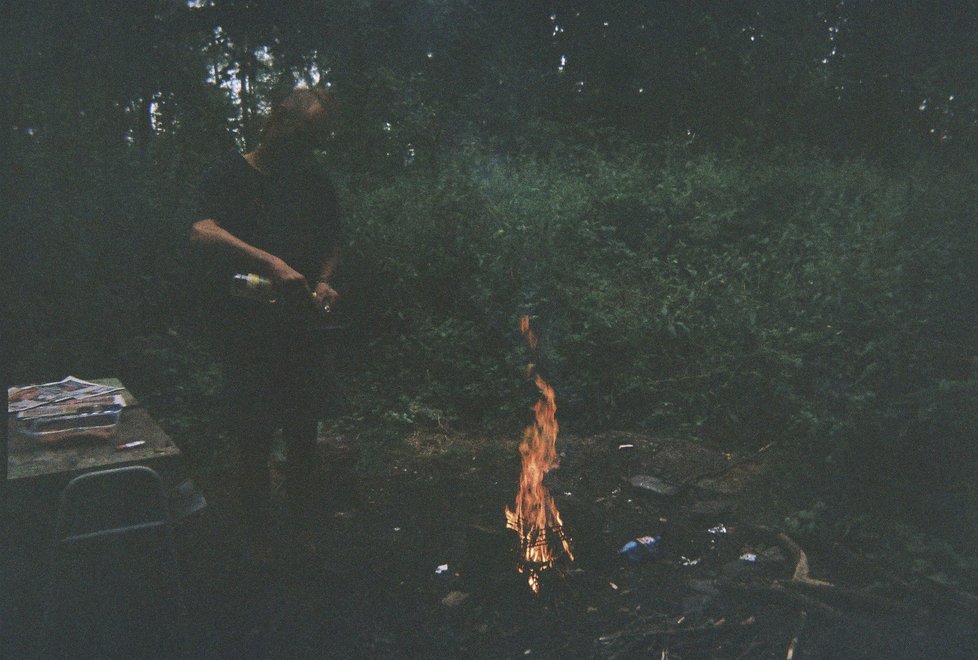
531,337
535,517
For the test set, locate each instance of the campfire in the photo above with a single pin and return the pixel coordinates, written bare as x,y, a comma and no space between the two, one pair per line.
534,516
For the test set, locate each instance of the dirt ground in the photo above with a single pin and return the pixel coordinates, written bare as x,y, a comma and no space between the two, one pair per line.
412,559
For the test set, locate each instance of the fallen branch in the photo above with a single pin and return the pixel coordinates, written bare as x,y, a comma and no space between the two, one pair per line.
801,580
712,627
801,572
779,592
856,598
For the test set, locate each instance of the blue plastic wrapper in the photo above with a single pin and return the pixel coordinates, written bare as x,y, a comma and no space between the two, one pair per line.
641,548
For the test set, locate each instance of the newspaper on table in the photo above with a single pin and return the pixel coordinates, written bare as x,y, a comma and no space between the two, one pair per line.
28,397
69,407
74,407
95,415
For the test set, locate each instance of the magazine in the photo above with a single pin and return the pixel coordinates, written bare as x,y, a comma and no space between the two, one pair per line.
70,388
76,407
95,415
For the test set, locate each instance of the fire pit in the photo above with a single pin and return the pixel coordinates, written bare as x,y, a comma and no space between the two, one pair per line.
539,549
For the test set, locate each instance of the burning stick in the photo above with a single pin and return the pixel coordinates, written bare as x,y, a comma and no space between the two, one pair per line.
535,517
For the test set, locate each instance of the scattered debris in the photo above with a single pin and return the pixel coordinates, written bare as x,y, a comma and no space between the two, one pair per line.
643,547
653,485
756,607
185,500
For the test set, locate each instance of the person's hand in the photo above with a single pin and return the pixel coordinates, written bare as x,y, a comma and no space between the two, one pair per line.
325,293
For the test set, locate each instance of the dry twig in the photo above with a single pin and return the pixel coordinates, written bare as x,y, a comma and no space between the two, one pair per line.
799,628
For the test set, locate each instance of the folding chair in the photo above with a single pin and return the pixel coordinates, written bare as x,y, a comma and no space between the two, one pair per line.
114,584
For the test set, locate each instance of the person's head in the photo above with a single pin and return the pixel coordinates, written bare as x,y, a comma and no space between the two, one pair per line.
300,121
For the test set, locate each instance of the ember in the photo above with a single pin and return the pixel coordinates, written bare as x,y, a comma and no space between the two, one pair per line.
535,517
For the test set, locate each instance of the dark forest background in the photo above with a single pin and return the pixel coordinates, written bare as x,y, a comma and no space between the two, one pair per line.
735,222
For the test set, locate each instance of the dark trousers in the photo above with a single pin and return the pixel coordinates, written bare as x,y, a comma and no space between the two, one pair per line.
254,437
274,372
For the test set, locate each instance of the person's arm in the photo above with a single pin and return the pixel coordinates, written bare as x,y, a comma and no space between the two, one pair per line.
209,233
323,289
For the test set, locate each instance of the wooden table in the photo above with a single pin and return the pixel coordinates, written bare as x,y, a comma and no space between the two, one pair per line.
29,460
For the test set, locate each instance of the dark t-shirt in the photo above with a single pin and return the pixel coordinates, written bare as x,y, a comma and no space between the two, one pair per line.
291,213
272,355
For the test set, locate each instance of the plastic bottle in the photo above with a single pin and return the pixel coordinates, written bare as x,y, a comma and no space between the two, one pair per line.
253,286
262,289
641,548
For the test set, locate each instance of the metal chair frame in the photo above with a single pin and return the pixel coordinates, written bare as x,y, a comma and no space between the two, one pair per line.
72,534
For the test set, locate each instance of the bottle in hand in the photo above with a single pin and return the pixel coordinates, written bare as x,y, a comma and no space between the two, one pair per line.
253,286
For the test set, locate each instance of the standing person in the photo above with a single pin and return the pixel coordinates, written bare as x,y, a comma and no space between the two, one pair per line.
273,212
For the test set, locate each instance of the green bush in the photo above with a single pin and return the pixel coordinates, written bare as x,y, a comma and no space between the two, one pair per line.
787,298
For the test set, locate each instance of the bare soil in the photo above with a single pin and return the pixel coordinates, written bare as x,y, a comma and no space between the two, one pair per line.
724,583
